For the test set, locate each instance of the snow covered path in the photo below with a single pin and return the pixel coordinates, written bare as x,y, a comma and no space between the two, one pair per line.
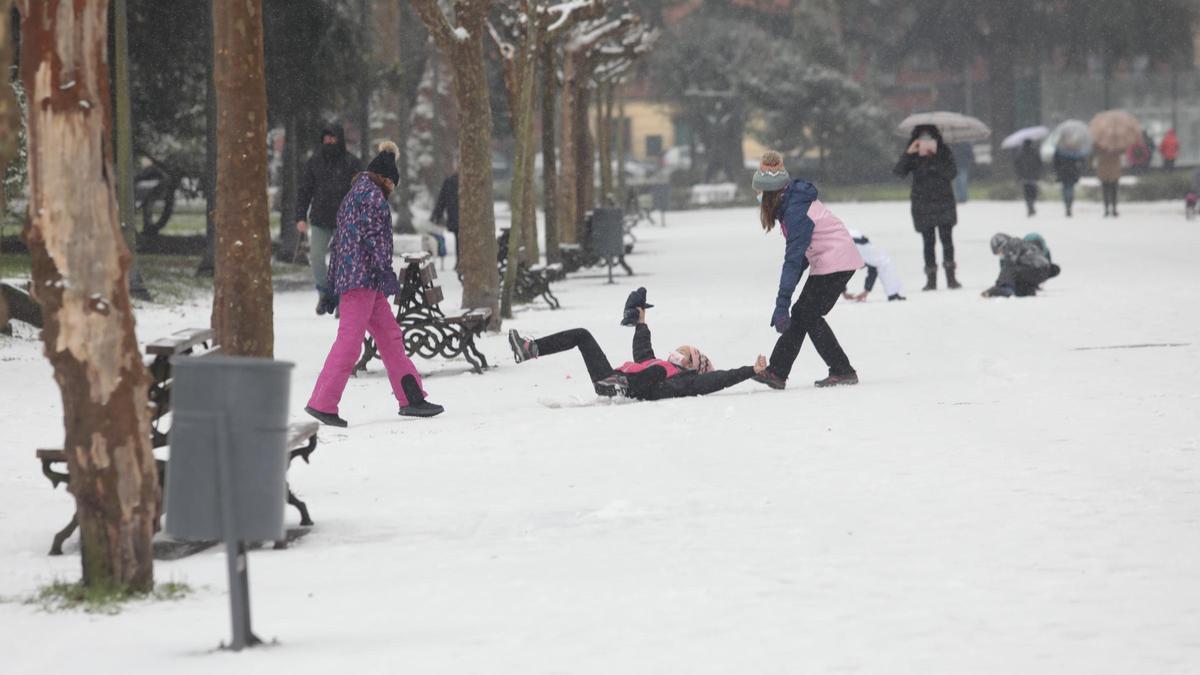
991,498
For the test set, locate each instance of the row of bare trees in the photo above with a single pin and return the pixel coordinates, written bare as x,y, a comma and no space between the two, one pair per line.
598,41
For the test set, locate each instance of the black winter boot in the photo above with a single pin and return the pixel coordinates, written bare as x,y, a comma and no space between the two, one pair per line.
326,418
930,279
612,386
951,281
417,405
523,348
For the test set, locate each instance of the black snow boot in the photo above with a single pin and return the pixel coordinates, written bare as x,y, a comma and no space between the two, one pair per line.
896,296
635,301
613,385
770,379
326,418
523,349
417,405
951,281
837,380
930,279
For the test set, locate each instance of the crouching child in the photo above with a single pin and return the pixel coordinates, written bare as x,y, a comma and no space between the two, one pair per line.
1024,265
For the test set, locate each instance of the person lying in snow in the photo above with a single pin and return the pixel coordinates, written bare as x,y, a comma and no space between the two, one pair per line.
685,372
1024,265
878,265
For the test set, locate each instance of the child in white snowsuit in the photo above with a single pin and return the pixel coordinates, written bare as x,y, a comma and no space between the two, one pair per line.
879,265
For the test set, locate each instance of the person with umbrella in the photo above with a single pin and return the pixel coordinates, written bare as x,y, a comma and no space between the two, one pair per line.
1108,170
1068,168
1113,132
934,210
1028,165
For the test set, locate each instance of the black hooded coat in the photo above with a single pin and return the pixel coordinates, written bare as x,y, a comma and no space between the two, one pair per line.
933,203
325,180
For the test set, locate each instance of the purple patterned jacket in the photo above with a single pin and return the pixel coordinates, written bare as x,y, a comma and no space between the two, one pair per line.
360,254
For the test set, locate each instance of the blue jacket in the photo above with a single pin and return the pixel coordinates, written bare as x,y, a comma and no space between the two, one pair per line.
798,227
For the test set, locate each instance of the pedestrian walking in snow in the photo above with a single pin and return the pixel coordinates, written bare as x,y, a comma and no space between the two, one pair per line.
1024,265
817,238
1108,170
1028,165
964,159
361,275
445,211
685,372
1068,169
934,211
1169,149
879,265
324,182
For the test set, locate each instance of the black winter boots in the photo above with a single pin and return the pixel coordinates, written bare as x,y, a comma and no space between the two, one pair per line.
930,279
837,380
326,418
951,281
417,405
523,349
612,386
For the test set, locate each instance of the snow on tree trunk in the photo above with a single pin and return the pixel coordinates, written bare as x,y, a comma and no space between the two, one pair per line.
10,123
80,267
242,318
463,45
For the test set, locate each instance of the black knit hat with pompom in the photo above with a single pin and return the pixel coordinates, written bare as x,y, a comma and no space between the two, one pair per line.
384,163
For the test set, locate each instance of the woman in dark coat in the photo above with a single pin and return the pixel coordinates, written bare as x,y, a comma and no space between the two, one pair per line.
1068,170
934,210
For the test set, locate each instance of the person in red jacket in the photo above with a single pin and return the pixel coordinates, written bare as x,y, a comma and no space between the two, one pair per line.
1169,149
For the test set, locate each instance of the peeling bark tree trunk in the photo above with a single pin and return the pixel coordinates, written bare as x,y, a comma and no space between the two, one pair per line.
242,317
549,154
463,44
10,123
80,276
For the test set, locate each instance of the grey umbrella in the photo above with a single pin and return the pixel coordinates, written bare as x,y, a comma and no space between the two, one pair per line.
955,127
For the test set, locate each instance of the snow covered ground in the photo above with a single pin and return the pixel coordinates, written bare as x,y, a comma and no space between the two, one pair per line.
993,498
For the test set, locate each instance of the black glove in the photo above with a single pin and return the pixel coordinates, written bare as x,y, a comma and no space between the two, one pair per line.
635,301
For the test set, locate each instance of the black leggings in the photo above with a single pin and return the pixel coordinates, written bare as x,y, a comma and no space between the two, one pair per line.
946,234
817,298
1110,196
1031,195
593,356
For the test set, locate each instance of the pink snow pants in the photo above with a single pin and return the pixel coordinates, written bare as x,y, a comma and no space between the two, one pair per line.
362,311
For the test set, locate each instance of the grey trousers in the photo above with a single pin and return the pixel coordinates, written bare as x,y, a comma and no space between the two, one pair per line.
318,250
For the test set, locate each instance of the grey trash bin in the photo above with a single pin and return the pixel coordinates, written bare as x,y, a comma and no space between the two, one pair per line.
608,233
247,400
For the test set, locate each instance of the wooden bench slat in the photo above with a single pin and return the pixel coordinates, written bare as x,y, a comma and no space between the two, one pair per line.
434,295
52,454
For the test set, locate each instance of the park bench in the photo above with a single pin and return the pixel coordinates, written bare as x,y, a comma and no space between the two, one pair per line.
428,332
301,436
533,281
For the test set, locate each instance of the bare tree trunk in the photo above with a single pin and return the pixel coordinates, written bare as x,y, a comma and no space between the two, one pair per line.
549,154
622,192
242,317
523,69
585,158
80,276
477,220
124,149
10,122
604,103
289,236
208,265
567,198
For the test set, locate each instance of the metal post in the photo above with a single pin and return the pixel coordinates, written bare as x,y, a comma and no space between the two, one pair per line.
235,549
137,285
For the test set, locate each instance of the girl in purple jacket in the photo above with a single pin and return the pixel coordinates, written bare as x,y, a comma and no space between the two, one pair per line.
361,276
815,238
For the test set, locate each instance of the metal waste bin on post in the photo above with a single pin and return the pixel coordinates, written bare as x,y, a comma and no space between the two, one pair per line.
607,237
661,193
227,472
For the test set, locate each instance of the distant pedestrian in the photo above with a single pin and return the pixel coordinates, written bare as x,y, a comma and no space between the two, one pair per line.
879,266
445,211
362,276
964,156
1108,170
817,238
1141,153
1024,265
324,181
1169,149
934,211
1068,170
1029,168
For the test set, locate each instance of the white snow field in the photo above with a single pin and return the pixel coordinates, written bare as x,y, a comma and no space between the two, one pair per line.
999,495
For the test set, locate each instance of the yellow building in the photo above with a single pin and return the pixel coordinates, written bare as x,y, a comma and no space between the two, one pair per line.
651,130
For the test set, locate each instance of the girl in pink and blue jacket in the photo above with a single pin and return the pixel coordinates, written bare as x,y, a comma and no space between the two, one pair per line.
815,240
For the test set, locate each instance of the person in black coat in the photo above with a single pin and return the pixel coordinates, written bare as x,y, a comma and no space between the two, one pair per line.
934,210
324,181
685,372
1068,170
445,211
1029,168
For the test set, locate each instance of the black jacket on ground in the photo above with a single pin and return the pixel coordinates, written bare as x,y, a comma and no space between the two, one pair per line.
447,204
325,180
1067,169
933,203
1028,164
653,384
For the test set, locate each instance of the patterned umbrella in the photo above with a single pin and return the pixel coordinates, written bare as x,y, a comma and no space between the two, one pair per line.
1115,130
955,128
